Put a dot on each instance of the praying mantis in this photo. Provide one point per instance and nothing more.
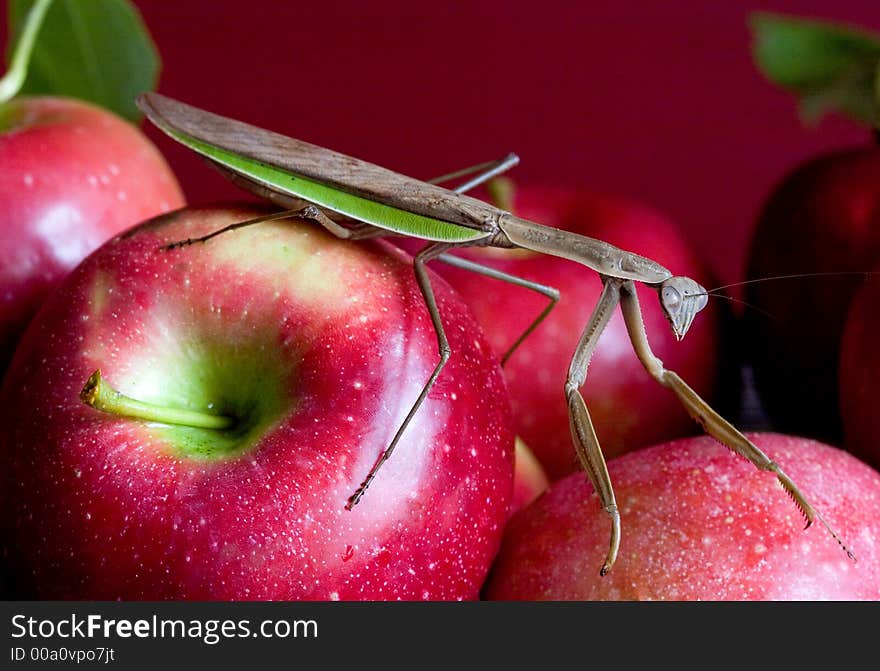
(355, 200)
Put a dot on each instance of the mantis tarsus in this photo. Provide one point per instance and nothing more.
(355, 199)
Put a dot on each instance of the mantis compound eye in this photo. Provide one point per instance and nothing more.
(701, 299)
(671, 299)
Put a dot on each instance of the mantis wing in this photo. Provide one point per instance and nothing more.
(354, 188)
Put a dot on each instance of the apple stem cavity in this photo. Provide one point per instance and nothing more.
(101, 396)
(15, 77)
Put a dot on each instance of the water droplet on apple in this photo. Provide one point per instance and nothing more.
(348, 553)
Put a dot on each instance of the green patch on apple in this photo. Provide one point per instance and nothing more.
(284, 266)
(203, 399)
(246, 382)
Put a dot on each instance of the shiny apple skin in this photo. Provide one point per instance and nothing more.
(73, 176)
(103, 507)
(699, 523)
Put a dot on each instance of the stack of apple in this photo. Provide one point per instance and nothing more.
(816, 362)
(313, 348)
(277, 362)
(698, 523)
(820, 230)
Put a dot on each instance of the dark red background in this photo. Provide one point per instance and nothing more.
(654, 99)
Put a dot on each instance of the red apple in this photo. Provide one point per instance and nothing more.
(529, 478)
(859, 372)
(699, 523)
(824, 217)
(628, 408)
(73, 176)
(317, 349)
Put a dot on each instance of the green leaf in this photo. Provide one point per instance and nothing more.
(829, 66)
(95, 50)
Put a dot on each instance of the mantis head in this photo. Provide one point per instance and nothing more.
(681, 299)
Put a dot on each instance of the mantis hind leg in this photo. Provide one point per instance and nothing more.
(484, 172)
(424, 282)
(713, 423)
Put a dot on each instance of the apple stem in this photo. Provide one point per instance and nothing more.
(15, 77)
(101, 396)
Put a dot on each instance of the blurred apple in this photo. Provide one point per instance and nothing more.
(628, 408)
(73, 175)
(859, 373)
(699, 523)
(824, 217)
(315, 349)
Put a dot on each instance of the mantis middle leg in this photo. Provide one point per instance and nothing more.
(548, 292)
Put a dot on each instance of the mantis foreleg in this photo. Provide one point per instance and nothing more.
(713, 423)
(582, 431)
